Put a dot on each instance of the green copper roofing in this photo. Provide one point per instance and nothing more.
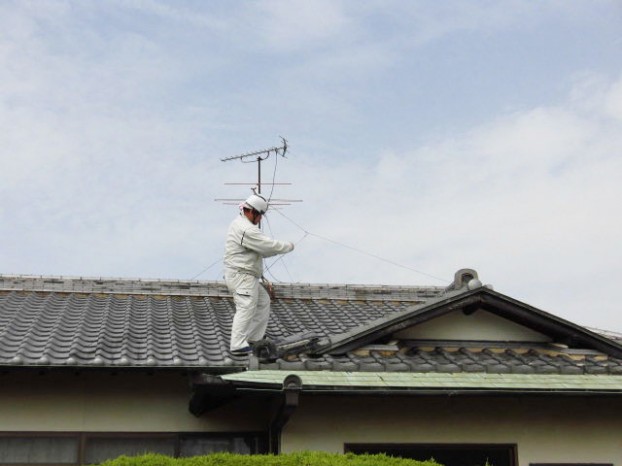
(325, 380)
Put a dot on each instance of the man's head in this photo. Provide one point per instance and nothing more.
(254, 207)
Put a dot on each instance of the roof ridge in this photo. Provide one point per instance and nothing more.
(178, 287)
(111, 285)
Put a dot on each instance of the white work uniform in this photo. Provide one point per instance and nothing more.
(245, 248)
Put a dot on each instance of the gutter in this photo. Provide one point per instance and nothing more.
(440, 392)
(211, 392)
(309, 390)
(420, 383)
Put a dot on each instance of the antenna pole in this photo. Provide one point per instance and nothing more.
(258, 175)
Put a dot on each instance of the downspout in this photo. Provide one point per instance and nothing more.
(292, 386)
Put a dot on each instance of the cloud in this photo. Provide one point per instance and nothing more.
(613, 101)
(427, 22)
(293, 25)
(528, 199)
(115, 118)
(96, 177)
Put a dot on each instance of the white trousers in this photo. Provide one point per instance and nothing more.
(252, 308)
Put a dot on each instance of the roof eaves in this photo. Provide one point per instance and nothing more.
(44, 368)
(429, 383)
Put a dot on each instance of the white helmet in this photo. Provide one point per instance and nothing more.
(256, 202)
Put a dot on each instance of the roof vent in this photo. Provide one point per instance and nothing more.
(465, 278)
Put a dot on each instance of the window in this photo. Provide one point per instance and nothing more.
(92, 448)
(446, 454)
(201, 445)
(570, 464)
(45, 449)
(99, 449)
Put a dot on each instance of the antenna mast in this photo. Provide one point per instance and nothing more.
(258, 157)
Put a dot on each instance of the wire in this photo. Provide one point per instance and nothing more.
(276, 162)
(360, 251)
(206, 269)
(267, 268)
(324, 238)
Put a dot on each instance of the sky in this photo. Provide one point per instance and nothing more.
(423, 137)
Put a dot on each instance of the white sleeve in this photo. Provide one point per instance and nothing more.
(263, 245)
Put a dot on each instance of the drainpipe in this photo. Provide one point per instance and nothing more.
(292, 386)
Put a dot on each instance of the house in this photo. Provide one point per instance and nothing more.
(94, 368)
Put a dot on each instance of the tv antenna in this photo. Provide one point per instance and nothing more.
(258, 157)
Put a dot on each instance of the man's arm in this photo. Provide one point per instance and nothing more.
(263, 245)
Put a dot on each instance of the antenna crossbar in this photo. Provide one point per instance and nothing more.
(255, 184)
(259, 153)
(272, 201)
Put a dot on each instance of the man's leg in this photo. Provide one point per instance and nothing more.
(245, 289)
(259, 323)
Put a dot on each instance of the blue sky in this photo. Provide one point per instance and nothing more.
(434, 135)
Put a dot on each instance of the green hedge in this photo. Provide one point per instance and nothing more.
(291, 459)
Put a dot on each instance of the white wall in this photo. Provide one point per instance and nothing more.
(481, 326)
(108, 403)
(546, 429)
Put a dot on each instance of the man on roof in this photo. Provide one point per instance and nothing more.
(245, 248)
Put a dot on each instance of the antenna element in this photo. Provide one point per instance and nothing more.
(258, 157)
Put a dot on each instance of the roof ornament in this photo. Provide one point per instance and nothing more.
(465, 278)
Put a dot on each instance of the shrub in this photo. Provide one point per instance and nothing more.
(309, 458)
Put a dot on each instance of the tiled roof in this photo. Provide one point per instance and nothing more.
(125, 324)
(449, 358)
(80, 329)
(56, 321)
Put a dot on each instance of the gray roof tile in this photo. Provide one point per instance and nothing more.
(127, 323)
